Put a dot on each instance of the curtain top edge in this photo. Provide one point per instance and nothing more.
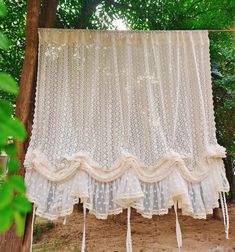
(117, 31)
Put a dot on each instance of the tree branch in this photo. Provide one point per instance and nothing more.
(87, 9)
(116, 4)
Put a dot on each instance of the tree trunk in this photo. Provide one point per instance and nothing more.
(37, 16)
(25, 99)
(46, 20)
(48, 13)
(229, 173)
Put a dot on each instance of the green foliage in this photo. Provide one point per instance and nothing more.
(4, 42)
(7, 218)
(11, 151)
(41, 228)
(12, 164)
(17, 182)
(13, 202)
(6, 195)
(224, 90)
(20, 222)
(7, 83)
(9, 126)
(13, 27)
(171, 15)
(3, 9)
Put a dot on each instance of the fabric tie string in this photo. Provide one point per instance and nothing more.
(84, 229)
(83, 249)
(178, 229)
(128, 236)
(225, 213)
(65, 220)
(31, 242)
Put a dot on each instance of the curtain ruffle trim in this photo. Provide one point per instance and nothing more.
(150, 190)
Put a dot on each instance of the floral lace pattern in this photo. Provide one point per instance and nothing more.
(124, 119)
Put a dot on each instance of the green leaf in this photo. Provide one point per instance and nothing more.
(11, 150)
(6, 108)
(20, 222)
(6, 219)
(13, 165)
(3, 135)
(13, 128)
(18, 129)
(7, 83)
(6, 194)
(22, 204)
(4, 41)
(3, 9)
(18, 183)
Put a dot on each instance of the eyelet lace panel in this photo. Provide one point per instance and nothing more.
(124, 119)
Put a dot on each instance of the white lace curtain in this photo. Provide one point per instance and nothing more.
(124, 119)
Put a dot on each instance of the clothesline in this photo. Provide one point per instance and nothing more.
(221, 30)
(100, 30)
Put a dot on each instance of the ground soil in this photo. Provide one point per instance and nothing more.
(156, 234)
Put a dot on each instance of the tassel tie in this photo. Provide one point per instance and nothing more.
(128, 235)
(177, 227)
(225, 213)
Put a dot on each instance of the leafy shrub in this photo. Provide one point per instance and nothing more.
(13, 202)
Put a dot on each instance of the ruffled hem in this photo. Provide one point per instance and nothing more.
(150, 190)
(212, 156)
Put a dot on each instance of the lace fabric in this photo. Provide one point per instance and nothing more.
(124, 119)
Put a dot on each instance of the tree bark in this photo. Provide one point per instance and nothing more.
(48, 13)
(25, 99)
(46, 20)
(9, 242)
(39, 14)
(229, 173)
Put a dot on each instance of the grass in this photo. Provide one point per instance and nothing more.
(40, 228)
(46, 247)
